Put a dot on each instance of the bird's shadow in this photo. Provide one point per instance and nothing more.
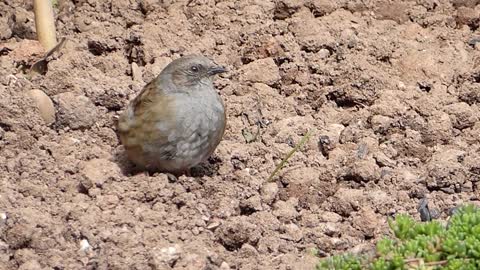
(208, 168)
(126, 166)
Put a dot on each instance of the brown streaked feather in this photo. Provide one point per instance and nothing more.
(149, 108)
(146, 97)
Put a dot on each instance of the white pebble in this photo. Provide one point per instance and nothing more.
(323, 53)
(224, 266)
(3, 216)
(84, 245)
(169, 250)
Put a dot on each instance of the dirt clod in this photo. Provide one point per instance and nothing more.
(388, 89)
(261, 71)
(75, 111)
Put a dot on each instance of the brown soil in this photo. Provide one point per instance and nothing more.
(389, 89)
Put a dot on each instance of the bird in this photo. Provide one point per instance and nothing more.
(177, 120)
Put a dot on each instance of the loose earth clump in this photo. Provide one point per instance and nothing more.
(389, 93)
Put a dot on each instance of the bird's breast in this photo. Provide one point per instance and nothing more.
(199, 126)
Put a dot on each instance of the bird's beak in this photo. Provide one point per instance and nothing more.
(216, 70)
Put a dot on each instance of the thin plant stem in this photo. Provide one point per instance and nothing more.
(289, 155)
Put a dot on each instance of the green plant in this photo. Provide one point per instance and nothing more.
(421, 245)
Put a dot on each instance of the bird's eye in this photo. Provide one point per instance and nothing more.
(194, 68)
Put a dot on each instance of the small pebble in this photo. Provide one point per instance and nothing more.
(423, 210)
(323, 53)
(213, 225)
(224, 266)
(44, 105)
(167, 255)
(84, 245)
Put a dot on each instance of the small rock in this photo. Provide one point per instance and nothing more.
(329, 138)
(467, 187)
(293, 231)
(75, 111)
(166, 256)
(349, 38)
(285, 8)
(253, 203)
(468, 16)
(44, 105)
(323, 53)
(286, 210)
(366, 221)
(136, 72)
(407, 179)
(362, 150)
(330, 217)
(227, 207)
(192, 260)
(237, 231)
(311, 34)
(30, 265)
(321, 7)
(325, 145)
(97, 171)
(363, 171)
(462, 115)
(381, 124)
(269, 192)
(381, 199)
(213, 225)
(260, 71)
(247, 251)
(474, 42)
(224, 266)
(148, 6)
(439, 129)
(445, 171)
(384, 161)
(330, 229)
(6, 32)
(395, 11)
(84, 245)
(346, 201)
(19, 235)
(424, 211)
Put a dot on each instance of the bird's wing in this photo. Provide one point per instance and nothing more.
(143, 101)
(147, 122)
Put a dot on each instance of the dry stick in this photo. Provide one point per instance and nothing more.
(290, 154)
(44, 23)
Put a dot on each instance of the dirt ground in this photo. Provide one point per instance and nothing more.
(389, 89)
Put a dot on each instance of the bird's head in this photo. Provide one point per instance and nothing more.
(192, 70)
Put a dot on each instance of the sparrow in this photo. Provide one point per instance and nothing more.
(177, 120)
